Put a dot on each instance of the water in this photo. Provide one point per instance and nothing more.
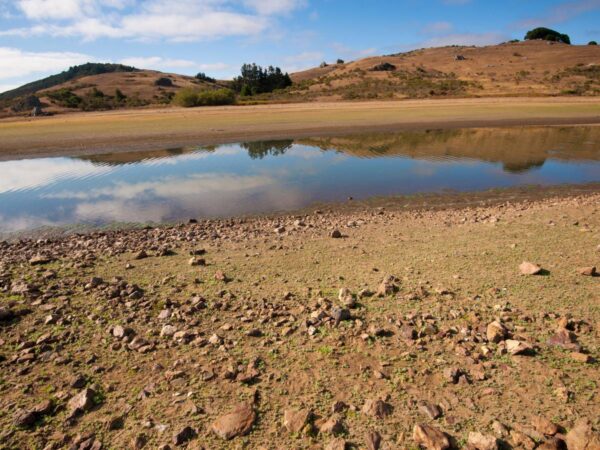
(234, 179)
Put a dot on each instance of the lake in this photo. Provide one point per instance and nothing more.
(257, 177)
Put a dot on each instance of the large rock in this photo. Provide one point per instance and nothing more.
(528, 268)
(377, 408)
(565, 339)
(517, 347)
(295, 420)
(238, 422)
(583, 437)
(496, 332)
(430, 437)
(479, 441)
(81, 403)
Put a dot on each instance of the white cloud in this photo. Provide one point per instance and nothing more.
(351, 53)
(302, 61)
(562, 13)
(16, 63)
(183, 20)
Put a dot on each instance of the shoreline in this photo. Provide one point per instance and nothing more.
(419, 202)
(82, 134)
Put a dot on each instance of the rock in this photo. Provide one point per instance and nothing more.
(336, 234)
(377, 408)
(81, 403)
(581, 357)
(517, 347)
(195, 261)
(565, 339)
(544, 426)
(552, 444)
(238, 422)
(120, 332)
(496, 332)
(336, 444)
(168, 331)
(220, 276)
(452, 374)
(39, 260)
(141, 255)
(528, 268)
(339, 314)
(387, 286)
(25, 418)
(430, 437)
(583, 437)
(346, 298)
(588, 271)
(500, 430)
(479, 441)
(430, 410)
(6, 314)
(185, 435)
(295, 420)
(139, 442)
(373, 440)
(522, 440)
(333, 425)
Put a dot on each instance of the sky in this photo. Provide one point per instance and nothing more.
(42, 37)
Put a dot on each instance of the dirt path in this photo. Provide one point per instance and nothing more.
(86, 133)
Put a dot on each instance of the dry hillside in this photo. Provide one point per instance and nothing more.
(513, 69)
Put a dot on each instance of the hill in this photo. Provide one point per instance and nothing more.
(94, 87)
(516, 69)
(531, 68)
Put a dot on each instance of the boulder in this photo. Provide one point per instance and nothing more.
(528, 268)
(430, 437)
(238, 422)
(295, 420)
(583, 437)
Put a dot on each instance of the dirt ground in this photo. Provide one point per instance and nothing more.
(378, 326)
(107, 132)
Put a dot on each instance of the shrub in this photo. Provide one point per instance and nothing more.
(65, 98)
(164, 82)
(203, 77)
(547, 34)
(384, 67)
(189, 98)
(340, 61)
(592, 43)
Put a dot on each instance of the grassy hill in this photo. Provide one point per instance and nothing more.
(530, 68)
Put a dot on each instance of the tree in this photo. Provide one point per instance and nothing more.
(547, 34)
(340, 61)
(257, 80)
(203, 77)
(592, 43)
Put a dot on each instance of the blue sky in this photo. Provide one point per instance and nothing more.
(41, 37)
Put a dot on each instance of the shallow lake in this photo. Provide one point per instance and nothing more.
(234, 179)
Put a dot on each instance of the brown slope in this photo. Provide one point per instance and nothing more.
(513, 69)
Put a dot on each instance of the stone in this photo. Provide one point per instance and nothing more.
(25, 418)
(581, 357)
(430, 410)
(583, 437)
(195, 261)
(522, 440)
(168, 331)
(184, 435)
(544, 426)
(340, 314)
(430, 437)
(346, 298)
(39, 260)
(373, 440)
(496, 332)
(295, 420)
(336, 444)
(238, 422)
(517, 347)
(479, 441)
(588, 271)
(377, 408)
(387, 286)
(565, 339)
(140, 255)
(452, 374)
(81, 403)
(139, 441)
(333, 425)
(528, 268)
(6, 314)
(336, 234)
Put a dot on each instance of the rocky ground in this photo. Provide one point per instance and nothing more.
(474, 327)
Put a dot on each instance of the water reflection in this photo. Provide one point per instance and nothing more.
(265, 176)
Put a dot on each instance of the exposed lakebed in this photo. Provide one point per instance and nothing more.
(268, 176)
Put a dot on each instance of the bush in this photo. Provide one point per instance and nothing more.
(340, 61)
(384, 67)
(189, 98)
(203, 77)
(592, 43)
(547, 34)
(65, 98)
(164, 82)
